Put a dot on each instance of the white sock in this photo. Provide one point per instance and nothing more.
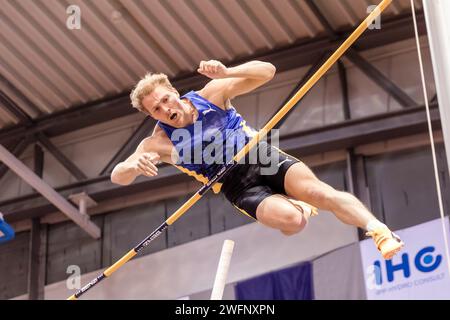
(375, 224)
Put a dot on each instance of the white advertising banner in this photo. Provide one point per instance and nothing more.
(419, 271)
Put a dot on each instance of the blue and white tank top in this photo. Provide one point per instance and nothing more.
(210, 142)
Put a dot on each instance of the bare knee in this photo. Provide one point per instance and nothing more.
(294, 222)
(277, 212)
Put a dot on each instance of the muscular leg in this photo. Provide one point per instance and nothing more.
(301, 183)
(277, 211)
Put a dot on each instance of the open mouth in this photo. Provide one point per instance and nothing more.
(173, 116)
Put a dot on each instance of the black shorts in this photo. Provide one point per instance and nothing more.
(247, 185)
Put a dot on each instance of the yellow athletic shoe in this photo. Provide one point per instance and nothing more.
(387, 242)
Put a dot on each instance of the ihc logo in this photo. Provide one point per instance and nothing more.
(424, 261)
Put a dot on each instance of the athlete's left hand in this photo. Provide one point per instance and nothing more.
(212, 69)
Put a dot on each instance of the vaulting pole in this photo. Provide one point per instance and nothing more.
(261, 134)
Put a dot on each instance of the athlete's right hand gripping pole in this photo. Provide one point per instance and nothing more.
(262, 133)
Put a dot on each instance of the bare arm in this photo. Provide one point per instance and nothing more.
(142, 162)
(229, 83)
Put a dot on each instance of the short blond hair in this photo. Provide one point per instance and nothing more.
(145, 86)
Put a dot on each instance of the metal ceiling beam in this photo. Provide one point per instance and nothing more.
(130, 145)
(38, 160)
(6, 83)
(352, 160)
(361, 131)
(76, 187)
(344, 135)
(380, 79)
(69, 165)
(13, 108)
(366, 67)
(329, 30)
(344, 90)
(35, 270)
(299, 54)
(72, 119)
(17, 152)
(51, 195)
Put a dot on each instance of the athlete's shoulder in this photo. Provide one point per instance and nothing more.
(214, 93)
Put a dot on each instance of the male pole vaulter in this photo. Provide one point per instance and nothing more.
(199, 131)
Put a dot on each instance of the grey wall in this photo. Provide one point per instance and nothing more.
(404, 198)
(339, 275)
(14, 266)
(190, 268)
(123, 229)
(403, 189)
(69, 245)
